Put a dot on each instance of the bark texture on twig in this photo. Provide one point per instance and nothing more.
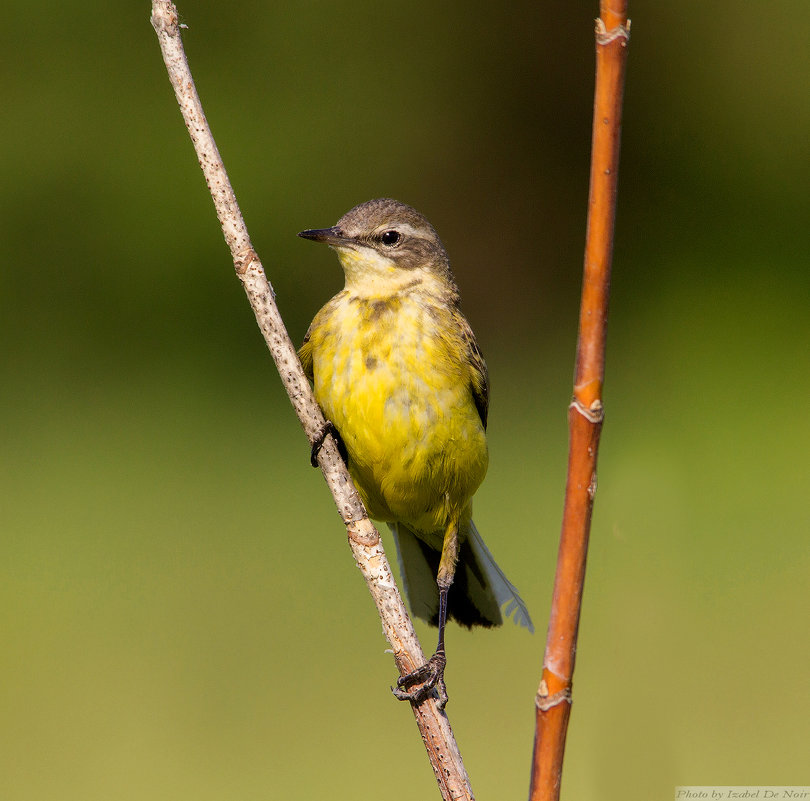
(553, 700)
(363, 537)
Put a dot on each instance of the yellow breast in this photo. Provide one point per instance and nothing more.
(392, 376)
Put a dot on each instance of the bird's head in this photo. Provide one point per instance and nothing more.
(384, 245)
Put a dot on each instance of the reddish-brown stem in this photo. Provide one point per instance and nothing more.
(553, 700)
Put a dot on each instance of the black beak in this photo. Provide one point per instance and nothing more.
(331, 236)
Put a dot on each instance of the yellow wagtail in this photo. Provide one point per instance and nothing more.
(399, 375)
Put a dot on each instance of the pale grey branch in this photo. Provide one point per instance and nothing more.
(363, 537)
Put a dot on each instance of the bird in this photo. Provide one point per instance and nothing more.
(400, 378)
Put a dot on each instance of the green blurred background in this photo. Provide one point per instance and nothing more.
(180, 616)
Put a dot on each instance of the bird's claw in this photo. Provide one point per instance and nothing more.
(424, 680)
(328, 428)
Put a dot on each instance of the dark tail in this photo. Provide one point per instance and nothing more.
(479, 588)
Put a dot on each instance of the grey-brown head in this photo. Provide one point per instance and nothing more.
(379, 241)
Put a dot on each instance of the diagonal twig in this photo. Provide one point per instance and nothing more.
(363, 537)
(585, 414)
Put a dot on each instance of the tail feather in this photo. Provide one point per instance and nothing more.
(479, 588)
(504, 591)
(418, 574)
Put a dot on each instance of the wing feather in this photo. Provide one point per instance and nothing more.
(479, 377)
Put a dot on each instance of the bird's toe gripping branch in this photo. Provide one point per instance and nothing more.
(419, 684)
(328, 428)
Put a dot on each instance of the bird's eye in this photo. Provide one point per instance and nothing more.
(390, 238)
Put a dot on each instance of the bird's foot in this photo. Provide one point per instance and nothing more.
(328, 428)
(420, 683)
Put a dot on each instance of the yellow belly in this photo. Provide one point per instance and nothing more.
(392, 378)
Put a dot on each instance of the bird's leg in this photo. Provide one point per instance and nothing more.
(328, 428)
(431, 675)
(424, 679)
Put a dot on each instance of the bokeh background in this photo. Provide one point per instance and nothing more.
(180, 617)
